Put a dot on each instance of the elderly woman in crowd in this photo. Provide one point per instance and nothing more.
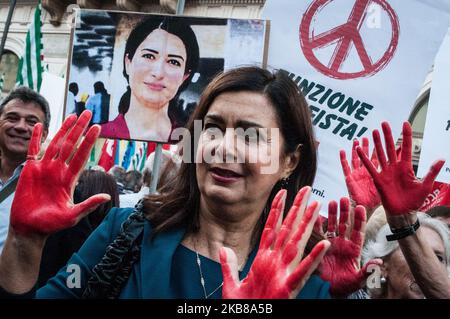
(397, 280)
(424, 250)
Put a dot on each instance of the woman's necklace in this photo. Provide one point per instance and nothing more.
(202, 279)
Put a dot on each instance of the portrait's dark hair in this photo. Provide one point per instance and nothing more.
(73, 87)
(178, 206)
(93, 182)
(27, 95)
(176, 26)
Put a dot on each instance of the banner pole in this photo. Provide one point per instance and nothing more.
(156, 168)
(12, 6)
(180, 7)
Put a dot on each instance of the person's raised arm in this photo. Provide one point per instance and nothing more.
(278, 271)
(43, 202)
(402, 194)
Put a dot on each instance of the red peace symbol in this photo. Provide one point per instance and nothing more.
(345, 35)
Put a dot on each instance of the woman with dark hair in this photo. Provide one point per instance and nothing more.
(173, 244)
(93, 182)
(161, 57)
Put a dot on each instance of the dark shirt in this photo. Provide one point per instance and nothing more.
(59, 247)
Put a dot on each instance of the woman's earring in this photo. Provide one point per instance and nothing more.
(285, 182)
(383, 280)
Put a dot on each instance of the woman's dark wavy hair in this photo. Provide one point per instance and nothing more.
(178, 203)
(92, 182)
(177, 27)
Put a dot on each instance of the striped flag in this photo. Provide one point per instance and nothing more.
(143, 157)
(108, 154)
(140, 156)
(2, 82)
(30, 68)
(128, 156)
(117, 154)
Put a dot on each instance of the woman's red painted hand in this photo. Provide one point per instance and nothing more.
(43, 200)
(361, 189)
(278, 270)
(341, 264)
(400, 191)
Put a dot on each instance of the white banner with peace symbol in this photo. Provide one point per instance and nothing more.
(358, 62)
(436, 136)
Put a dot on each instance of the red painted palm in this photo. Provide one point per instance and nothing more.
(400, 191)
(278, 270)
(43, 200)
(341, 264)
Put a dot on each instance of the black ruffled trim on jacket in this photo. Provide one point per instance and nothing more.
(112, 272)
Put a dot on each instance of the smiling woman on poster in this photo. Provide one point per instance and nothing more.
(161, 56)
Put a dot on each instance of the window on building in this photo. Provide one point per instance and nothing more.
(8, 67)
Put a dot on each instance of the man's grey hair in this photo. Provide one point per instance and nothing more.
(380, 247)
(27, 95)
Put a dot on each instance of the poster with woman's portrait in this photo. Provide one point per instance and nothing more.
(141, 75)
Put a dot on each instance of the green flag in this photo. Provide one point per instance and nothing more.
(143, 157)
(30, 68)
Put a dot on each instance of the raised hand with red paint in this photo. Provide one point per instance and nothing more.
(400, 191)
(43, 200)
(341, 264)
(278, 270)
(359, 183)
